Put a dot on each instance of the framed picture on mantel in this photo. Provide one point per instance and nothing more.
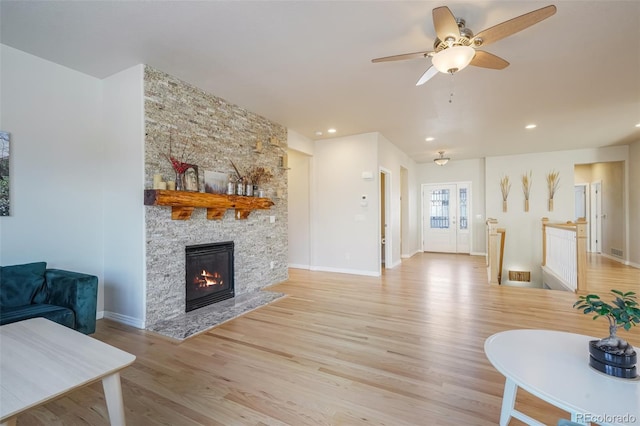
(215, 182)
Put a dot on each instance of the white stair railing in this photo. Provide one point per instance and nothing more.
(495, 251)
(564, 255)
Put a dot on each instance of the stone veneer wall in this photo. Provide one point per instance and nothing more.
(216, 132)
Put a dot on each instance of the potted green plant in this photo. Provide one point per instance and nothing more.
(613, 355)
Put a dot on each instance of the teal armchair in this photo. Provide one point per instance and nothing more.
(66, 297)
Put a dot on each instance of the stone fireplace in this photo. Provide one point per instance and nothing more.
(209, 274)
(213, 132)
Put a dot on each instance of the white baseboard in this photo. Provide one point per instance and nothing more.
(299, 266)
(345, 271)
(99, 315)
(391, 265)
(124, 319)
(634, 265)
(409, 256)
(617, 259)
(477, 253)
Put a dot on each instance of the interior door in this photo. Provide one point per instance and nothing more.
(440, 217)
(596, 217)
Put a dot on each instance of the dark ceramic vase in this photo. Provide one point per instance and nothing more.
(623, 366)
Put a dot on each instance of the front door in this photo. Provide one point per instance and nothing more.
(446, 218)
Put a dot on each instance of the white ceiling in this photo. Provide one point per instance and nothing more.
(307, 65)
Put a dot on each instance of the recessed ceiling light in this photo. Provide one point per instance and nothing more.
(530, 126)
(331, 130)
(638, 125)
(318, 133)
(430, 138)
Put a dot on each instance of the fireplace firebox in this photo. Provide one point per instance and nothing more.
(209, 274)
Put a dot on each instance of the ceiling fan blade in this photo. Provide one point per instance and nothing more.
(427, 75)
(445, 23)
(512, 26)
(488, 60)
(402, 57)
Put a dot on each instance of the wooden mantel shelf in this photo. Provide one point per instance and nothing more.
(183, 202)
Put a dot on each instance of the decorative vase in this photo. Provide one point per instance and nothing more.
(256, 191)
(526, 205)
(249, 190)
(179, 181)
(550, 204)
(504, 205)
(617, 365)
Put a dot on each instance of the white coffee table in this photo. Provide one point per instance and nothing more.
(554, 366)
(41, 360)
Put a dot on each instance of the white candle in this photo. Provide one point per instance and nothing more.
(157, 178)
(162, 185)
(171, 185)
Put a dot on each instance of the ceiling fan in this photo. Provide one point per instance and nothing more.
(456, 46)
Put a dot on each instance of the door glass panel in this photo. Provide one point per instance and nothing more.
(439, 214)
(463, 209)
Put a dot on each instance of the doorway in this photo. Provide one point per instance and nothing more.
(595, 217)
(446, 227)
(385, 218)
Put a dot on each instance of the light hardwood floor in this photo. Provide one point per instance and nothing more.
(404, 349)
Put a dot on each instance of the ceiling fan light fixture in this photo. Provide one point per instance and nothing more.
(442, 160)
(453, 59)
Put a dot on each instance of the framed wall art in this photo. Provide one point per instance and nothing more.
(4, 174)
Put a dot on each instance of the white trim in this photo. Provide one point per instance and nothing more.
(477, 253)
(299, 266)
(617, 259)
(409, 256)
(388, 247)
(345, 271)
(634, 265)
(124, 319)
(396, 263)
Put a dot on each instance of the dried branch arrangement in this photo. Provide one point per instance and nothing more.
(259, 175)
(182, 163)
(553, 180)
(526, 189)
(505, 187)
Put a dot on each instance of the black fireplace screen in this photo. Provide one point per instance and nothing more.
(209, 274)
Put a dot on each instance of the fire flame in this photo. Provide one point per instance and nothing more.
(208, 279)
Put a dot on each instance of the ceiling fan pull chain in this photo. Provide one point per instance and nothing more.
(451, 91)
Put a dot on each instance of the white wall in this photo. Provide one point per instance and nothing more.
(611, 175)
(299, 210)
(123, 160)
(55, 119)
(345, 235)
(299, 143)
(392, 159)
(523, 246)
(460, 171)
